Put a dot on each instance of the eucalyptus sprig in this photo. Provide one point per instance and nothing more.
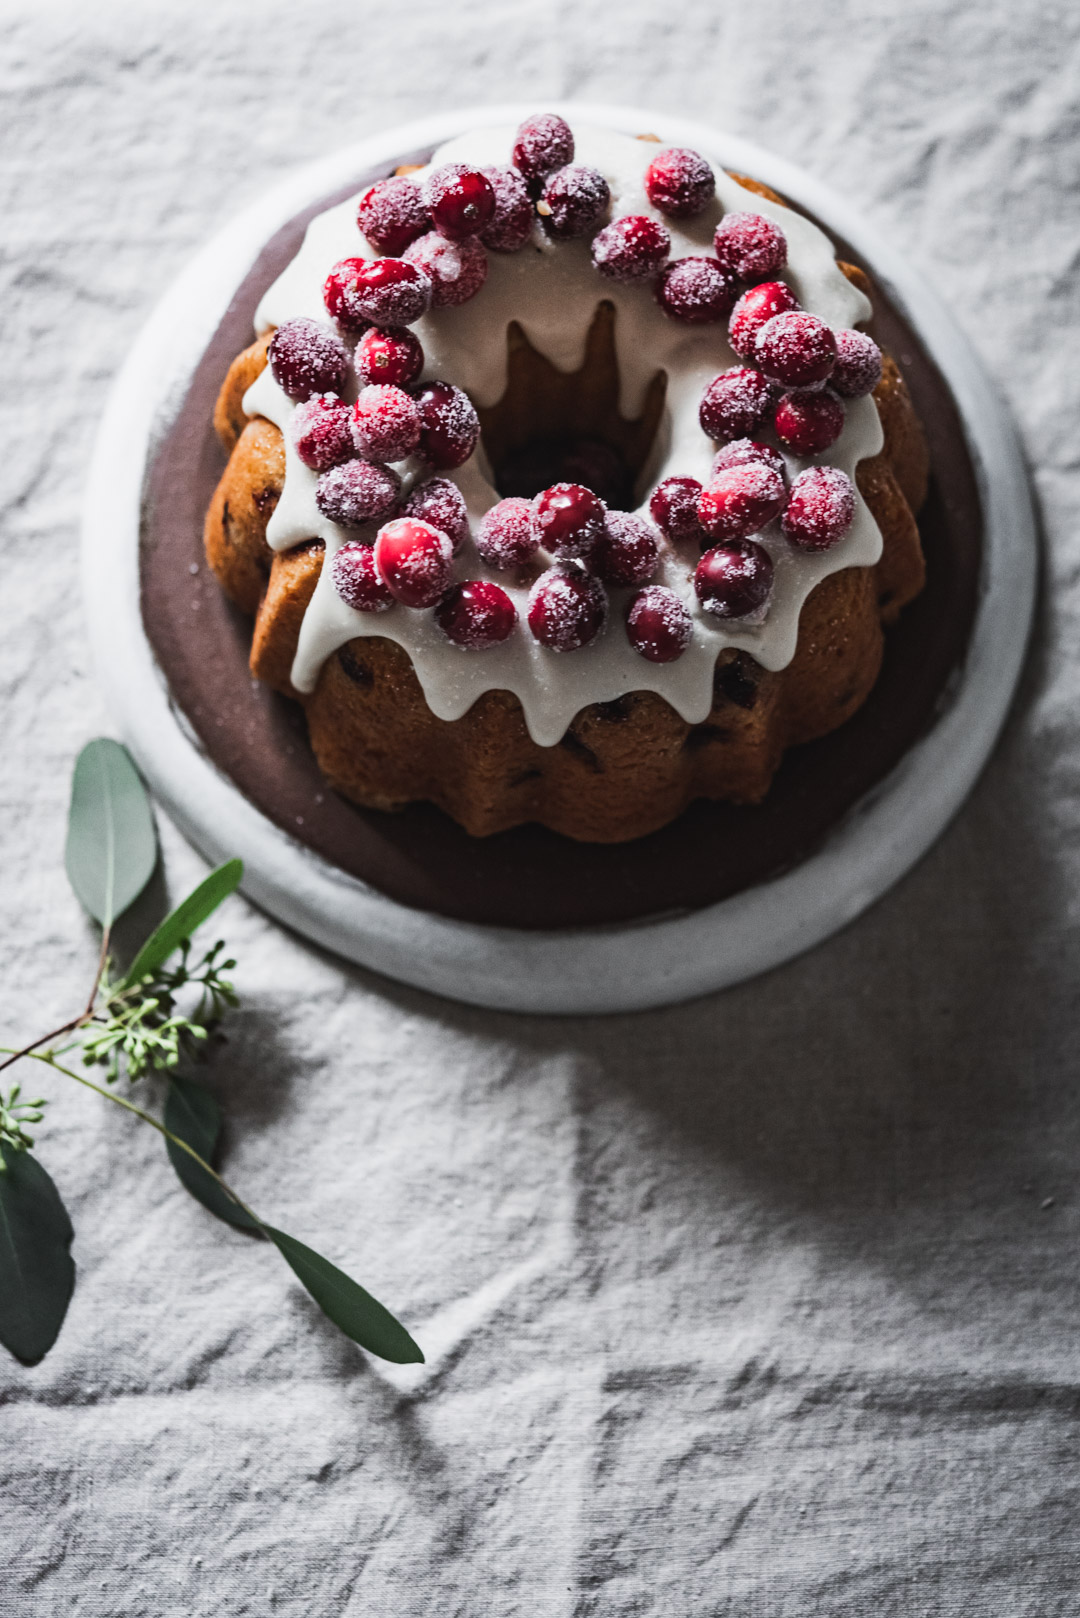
(155, 1018)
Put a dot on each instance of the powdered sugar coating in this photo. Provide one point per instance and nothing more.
(391, 214)
(356, 579)
(679, 182)
(357, 493)
(542, 143)
(506, 538)
(741, 500)
(857, 371)
(742, 450)
(750, 246)
(476, 615)
(449, 426)
(633, 248)
(385, 423)
(673, 508)
(575, 199)
(414, 561)
(459, 199)
(809, 421)
(753, 309)
(442, 504)
(389, 354)
(796, 348)
(512, 222)
(307, 357)
(567, 609)
(627, 551)
(658, 624)
(736, 403)
(321, 429)
(696, 291)
(387, 292)
(735, 581)
(456, 270)
(821, 508)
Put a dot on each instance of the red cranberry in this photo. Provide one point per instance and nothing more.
(413, 560)
(386, 423)
(753, 309)
(743, 450)
(808, 422)
(821, 508)
(574, 199)
(307, 357)
(568, 519)
(858, 365)
(322, 432)
(391, 214)
(750, 246)
(506, 537)
(338, 295)
(386, 292)
(627, 551)
(511, 223)
(732, 581)
(442, 504)
(456, 270)
(679, 182)
(543, 142)
(696, 291)
(631, 249)
(389, 354)
(658, 624)
(476, 615)
(674, 508)
(460, 201)
(356, 578)
(567, 608)
(740, 500)
(449, 426)
(736, 403)
(796, 348)
(357, 492)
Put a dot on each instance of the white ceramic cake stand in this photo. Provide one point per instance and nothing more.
(596, 969)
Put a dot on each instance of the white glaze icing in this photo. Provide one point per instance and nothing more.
(552, 291)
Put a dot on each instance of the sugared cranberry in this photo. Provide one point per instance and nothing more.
(750, 246)
(736, 403)
(568, 519)
(858, 365)
(658, 624)
(674, 508)
(733, 581)
(413, 560)
(753, 309)
(506, 537)
(821, 508)
(476, 615)
(797, 349)
(742, 450)
(357, 492)
(631, 248)
(442, 504)
(627, 551)
(456, 270)
(567, 608)
(679, 182)
(696, 291)
(460, 200)
(574, 200)
(386, 423)
(321, 429)
(543, 142)
(384, 291)
(391, 214)
(307, 357)
(740, 500)
(449, 426)
(338, 295)
(808, 422)
(389, 354)
(511, 224)
(356, 578)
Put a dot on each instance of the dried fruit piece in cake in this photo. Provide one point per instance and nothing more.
(307, 357)
(414, 561)
(750, 246)
(734, 581)
(567, 608)
(476, 615)
(679, 182)
(658, 624)
(821, 508)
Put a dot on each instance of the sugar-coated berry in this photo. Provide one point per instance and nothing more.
(674, 509)
(449, 426)
(306, 357)
(414, 561)
(632, 248)
(321, 430)
(796, 348)
(456, 270)
(627, 551)
(357, 492)
(356, 578)
(696, 291)
(510, 226)
(391, 214)
(658, 624)
(442, 504)
(385, 291)
(821, 508)
(476, 615)
(808, 421)
(389, 354)
(679, 182)
(386, 423)
(741, 500)
(736, 403)
(568, 519)
(753, 309)
(733, 581)
(750, 246)
(543, 142)
(459, 199)
(742, 450)
(567, 608)
(505, 537)
(857, 371)
(574, 200)
(338, 295)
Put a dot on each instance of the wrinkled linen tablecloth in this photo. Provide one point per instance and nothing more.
(765, 1305)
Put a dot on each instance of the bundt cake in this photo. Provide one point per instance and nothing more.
(566, 488)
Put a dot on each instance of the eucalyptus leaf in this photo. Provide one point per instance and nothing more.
(111, 843)
(37, 1273)
(191, 913)
(356, 1312)
(192, 1113)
